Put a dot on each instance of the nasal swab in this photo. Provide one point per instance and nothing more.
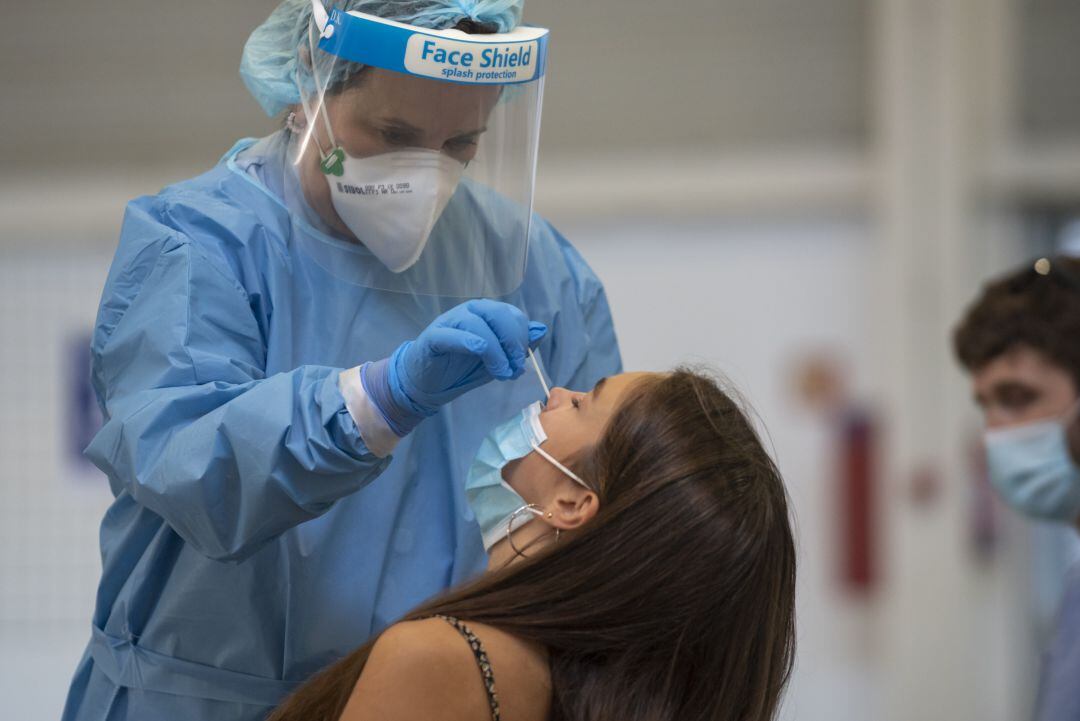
(540, 375)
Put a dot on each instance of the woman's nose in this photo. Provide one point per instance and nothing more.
(558, 397)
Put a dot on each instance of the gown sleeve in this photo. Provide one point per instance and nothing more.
(195, 430)
(580, 367)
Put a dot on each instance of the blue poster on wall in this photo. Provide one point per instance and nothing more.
(82, 414)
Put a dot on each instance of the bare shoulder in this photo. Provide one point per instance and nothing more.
(418, 669)
(426, 669)
(521, 671)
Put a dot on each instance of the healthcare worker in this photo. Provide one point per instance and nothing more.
(1020, 340)
(299, 352)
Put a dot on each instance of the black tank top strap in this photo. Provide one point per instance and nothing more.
(481, 661)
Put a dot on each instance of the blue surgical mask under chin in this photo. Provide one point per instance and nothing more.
(1032, 470)
(492, 500)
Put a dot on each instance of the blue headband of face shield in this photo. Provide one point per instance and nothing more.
(518, 56)
(274, 53)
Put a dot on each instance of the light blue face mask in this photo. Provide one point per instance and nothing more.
(499, 509)
(1032, 470)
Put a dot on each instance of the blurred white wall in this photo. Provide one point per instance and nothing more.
(126, 84)
(50, 503)
(1048, 76)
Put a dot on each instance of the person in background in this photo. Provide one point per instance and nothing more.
(1020, 341)
(642, 568)
(294, 354)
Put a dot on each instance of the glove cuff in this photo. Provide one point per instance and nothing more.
(400, 417)
(375, 378)
(375, 432)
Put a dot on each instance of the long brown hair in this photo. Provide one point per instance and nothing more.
(676, 602)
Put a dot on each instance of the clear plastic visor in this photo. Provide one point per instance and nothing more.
(427, 182)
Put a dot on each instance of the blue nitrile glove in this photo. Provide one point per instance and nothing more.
(463, 348)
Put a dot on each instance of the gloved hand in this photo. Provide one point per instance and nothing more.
(462, 349)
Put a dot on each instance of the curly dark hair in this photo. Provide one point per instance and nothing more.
(1037, 306)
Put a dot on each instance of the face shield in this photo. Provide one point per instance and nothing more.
(427, 142)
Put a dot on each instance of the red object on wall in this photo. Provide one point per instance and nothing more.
(858, 540)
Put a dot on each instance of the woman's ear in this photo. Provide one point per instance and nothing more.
(296, 120)
(572, 506)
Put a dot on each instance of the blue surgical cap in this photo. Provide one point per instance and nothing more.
(271, 55)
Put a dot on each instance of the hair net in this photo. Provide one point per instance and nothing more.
(271, 55)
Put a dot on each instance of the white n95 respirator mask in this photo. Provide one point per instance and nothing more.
(391, 201)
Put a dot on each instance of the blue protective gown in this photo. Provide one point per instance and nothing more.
(1059, 683)
(253, 538)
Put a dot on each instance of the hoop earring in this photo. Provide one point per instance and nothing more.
(529, 508)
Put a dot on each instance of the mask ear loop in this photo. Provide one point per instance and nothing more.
(332, 159)
(551, 459)
(319, 15)
(308, 127)
(527, 508)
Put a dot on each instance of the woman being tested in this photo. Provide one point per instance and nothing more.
(293, 352)
(642, 569)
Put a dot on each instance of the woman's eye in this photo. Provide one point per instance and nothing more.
(459, 145)
(394, 137)
(576, 403)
